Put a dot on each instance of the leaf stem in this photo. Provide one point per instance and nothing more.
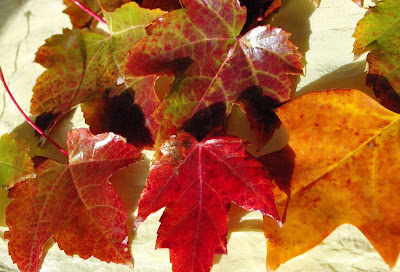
(91, 13)
(28, 119)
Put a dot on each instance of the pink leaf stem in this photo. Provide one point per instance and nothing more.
(91, 13)
(28, 119)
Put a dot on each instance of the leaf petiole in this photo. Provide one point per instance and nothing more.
(32, 124)
(87, 10)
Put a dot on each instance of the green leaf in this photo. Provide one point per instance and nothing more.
(379, 33)
(15, 163)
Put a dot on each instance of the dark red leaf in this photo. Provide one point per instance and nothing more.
(197, 181)
(258, 10)
(162, 4)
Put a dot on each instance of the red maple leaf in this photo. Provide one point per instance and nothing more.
(74, 203)
(197, 181)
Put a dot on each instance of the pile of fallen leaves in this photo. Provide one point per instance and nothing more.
(340, 165)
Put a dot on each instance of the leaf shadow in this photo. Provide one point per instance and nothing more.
(384, 91)
(294, 17)
(49, 244)
(129, 184)
(118, 114)
(210, 121)
(280, 165)
(236, 224)
(59, 134)
(349, 76)
(259, 112)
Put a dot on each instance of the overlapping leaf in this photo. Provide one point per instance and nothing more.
(146, 97)
(15, 163)
(127, 114)
(80, 62)
(211, 63)
(379, 32)
(259, 111)
(197, 181)
(345, 149)
(80, 19)
(74, 203)
(258, 10)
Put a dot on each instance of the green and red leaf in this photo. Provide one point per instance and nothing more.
(81, 63)
(15, 163)
(379, 33)
(74, 204)
(80, 19)
(200, 45)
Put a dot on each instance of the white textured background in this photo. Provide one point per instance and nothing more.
(323, 36)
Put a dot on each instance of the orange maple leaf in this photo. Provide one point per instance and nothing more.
(344, 149)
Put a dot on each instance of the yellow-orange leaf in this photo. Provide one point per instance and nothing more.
(345, 152)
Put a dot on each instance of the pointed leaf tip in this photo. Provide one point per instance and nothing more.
(74, 204)
(197, 181)
(342, 147)
(211, 62)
